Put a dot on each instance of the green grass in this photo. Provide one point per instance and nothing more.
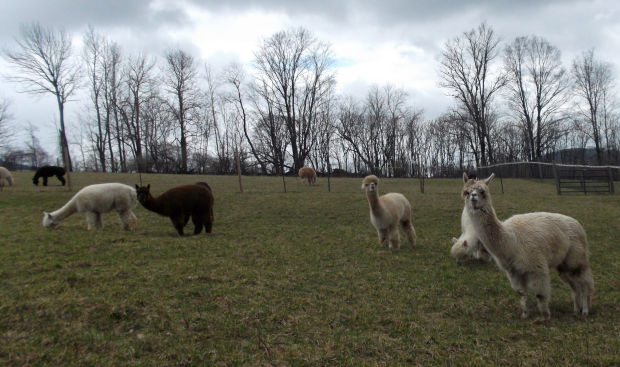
(294, 278)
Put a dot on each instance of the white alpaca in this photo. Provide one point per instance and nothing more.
(468, 246)
(386, 212)
(94, 200)
(526, 246)
(5, 175)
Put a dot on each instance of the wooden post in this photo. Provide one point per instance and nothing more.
(420, 177)
(329, 175)
(583, 183)
(501, 182)
(557, 179)
(238, 170)
(611, 180)
(65, 158)
(540, 175)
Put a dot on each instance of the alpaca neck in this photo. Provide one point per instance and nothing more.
(493, 234)
(373, 200)
(153, 204)
(68, 209)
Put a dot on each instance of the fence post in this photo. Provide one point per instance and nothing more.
(611, 180)
(540, 175)
(557, 179)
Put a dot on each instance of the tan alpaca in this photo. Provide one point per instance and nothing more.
(386, 212)
(307, 175)
(468, 246)
(526, 246)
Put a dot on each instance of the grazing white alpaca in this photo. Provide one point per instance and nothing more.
(94, 200)
(526, 246)
(5, 175)
(468, 246)
(386, 212)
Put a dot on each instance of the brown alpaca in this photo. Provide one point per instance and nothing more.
(179, 203)
(526, 246)
(307, 175)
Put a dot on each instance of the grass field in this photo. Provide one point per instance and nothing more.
(294, 278)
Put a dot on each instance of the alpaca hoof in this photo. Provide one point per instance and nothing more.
(541, 320)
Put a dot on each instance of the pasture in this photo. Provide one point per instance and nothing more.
(294, 278)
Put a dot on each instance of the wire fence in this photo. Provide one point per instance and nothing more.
(538, 170)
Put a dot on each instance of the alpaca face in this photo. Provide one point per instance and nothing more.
(143, 192)
(476, 193)
(48, 220)
(370, 183)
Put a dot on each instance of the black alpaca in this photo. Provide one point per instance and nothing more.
(179, 203)
(49, 171)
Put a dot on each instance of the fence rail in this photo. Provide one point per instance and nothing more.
(569, 178)
(537, 169)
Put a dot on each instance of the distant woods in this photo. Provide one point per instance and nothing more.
(514, 100)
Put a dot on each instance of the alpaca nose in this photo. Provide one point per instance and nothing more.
(474, 197)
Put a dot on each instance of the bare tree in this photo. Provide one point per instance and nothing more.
(294, 68)
(536, 91)
(93, 59)
(466, 70)
(593, 83)
(180, 82)
(112, 64)
(5, 117)
(139, 87)
(44, 65)
(235, 77)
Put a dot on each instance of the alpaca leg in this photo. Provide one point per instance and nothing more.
(586, 287)
(574, 287)
(98, 221)
(409, 231)
(518, 284)
(394, 237)
(383, 237)
(128, 220)
(198, 223)
(541, 286)
(178, 223)
(91, 220)
(61, 179)
(44, 180)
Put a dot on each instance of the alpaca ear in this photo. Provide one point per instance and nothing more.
(486, 182)
(137, 187)
(454, 240)
(465, 178)
(148, 187)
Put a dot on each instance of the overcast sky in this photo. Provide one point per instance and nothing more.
(374, 42)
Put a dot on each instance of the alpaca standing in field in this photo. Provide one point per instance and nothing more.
(386, 212)
(48, 171)
(179, 203)
(526, 246)
(5, 175)
(307, 175)
(468, 246)
(94, 200)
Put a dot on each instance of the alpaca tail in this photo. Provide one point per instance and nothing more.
(410, 231)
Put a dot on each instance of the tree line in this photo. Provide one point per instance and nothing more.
(513, 101)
